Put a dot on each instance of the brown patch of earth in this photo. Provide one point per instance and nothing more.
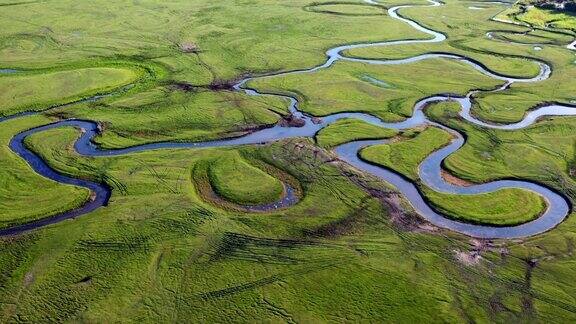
(292, 121)
(221, 85)
(468, 258)
(477, 246)
(28, 279)
(454, 180)
(399, 215)
(181, 86)
(189, 48)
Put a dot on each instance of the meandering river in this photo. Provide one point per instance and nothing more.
(429, 170)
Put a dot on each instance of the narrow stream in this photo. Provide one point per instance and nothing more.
(8, 71)
(429, 171)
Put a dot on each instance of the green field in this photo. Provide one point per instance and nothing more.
(543, 152)
(347, 130)
(39, 91)
(161, 114)
(178, 242)
(346, 9)
(466, 35)
(542, 18)
(321, 93)
(545, 18)
(25, 195)
(236, 180)
(503, 207)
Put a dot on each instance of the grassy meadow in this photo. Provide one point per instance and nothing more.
(164, 114)
(234, 179)
(467, 36)
(543, 152)
(26, 195)
(171, 256)
(347, 9)
(174, 243)
(540, 18)
(38, 91)
(347, 130)
(321, 93)
(502, 207)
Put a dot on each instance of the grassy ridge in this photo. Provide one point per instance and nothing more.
(236, 180)
(164, 114)
(533, 37)
(504, 207)
(346, 8)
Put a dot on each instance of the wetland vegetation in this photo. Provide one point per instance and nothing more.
(178, 239)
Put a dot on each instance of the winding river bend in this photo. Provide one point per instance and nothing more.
(429, 170)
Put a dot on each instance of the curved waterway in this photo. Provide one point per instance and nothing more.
(429, 171)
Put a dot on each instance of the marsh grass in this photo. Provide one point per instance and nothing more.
(469, 39)
(161, 252)
(347, 130)
(502, 207)
(235, 179)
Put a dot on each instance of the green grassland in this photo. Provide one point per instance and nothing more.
(347, 130)
(510, 105)
(236, 180)
(513, 66)
(543, 152)
(39, 91)
(502, 207)
(351, 249)
(159, 252)
(25, 195)
(232, 38)
(548, 18)
(406, 154)
(346, 8)
(321, 93)
(538, 17)
(163, 114)
(465, 33)
(228, 41)
(533, 37)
